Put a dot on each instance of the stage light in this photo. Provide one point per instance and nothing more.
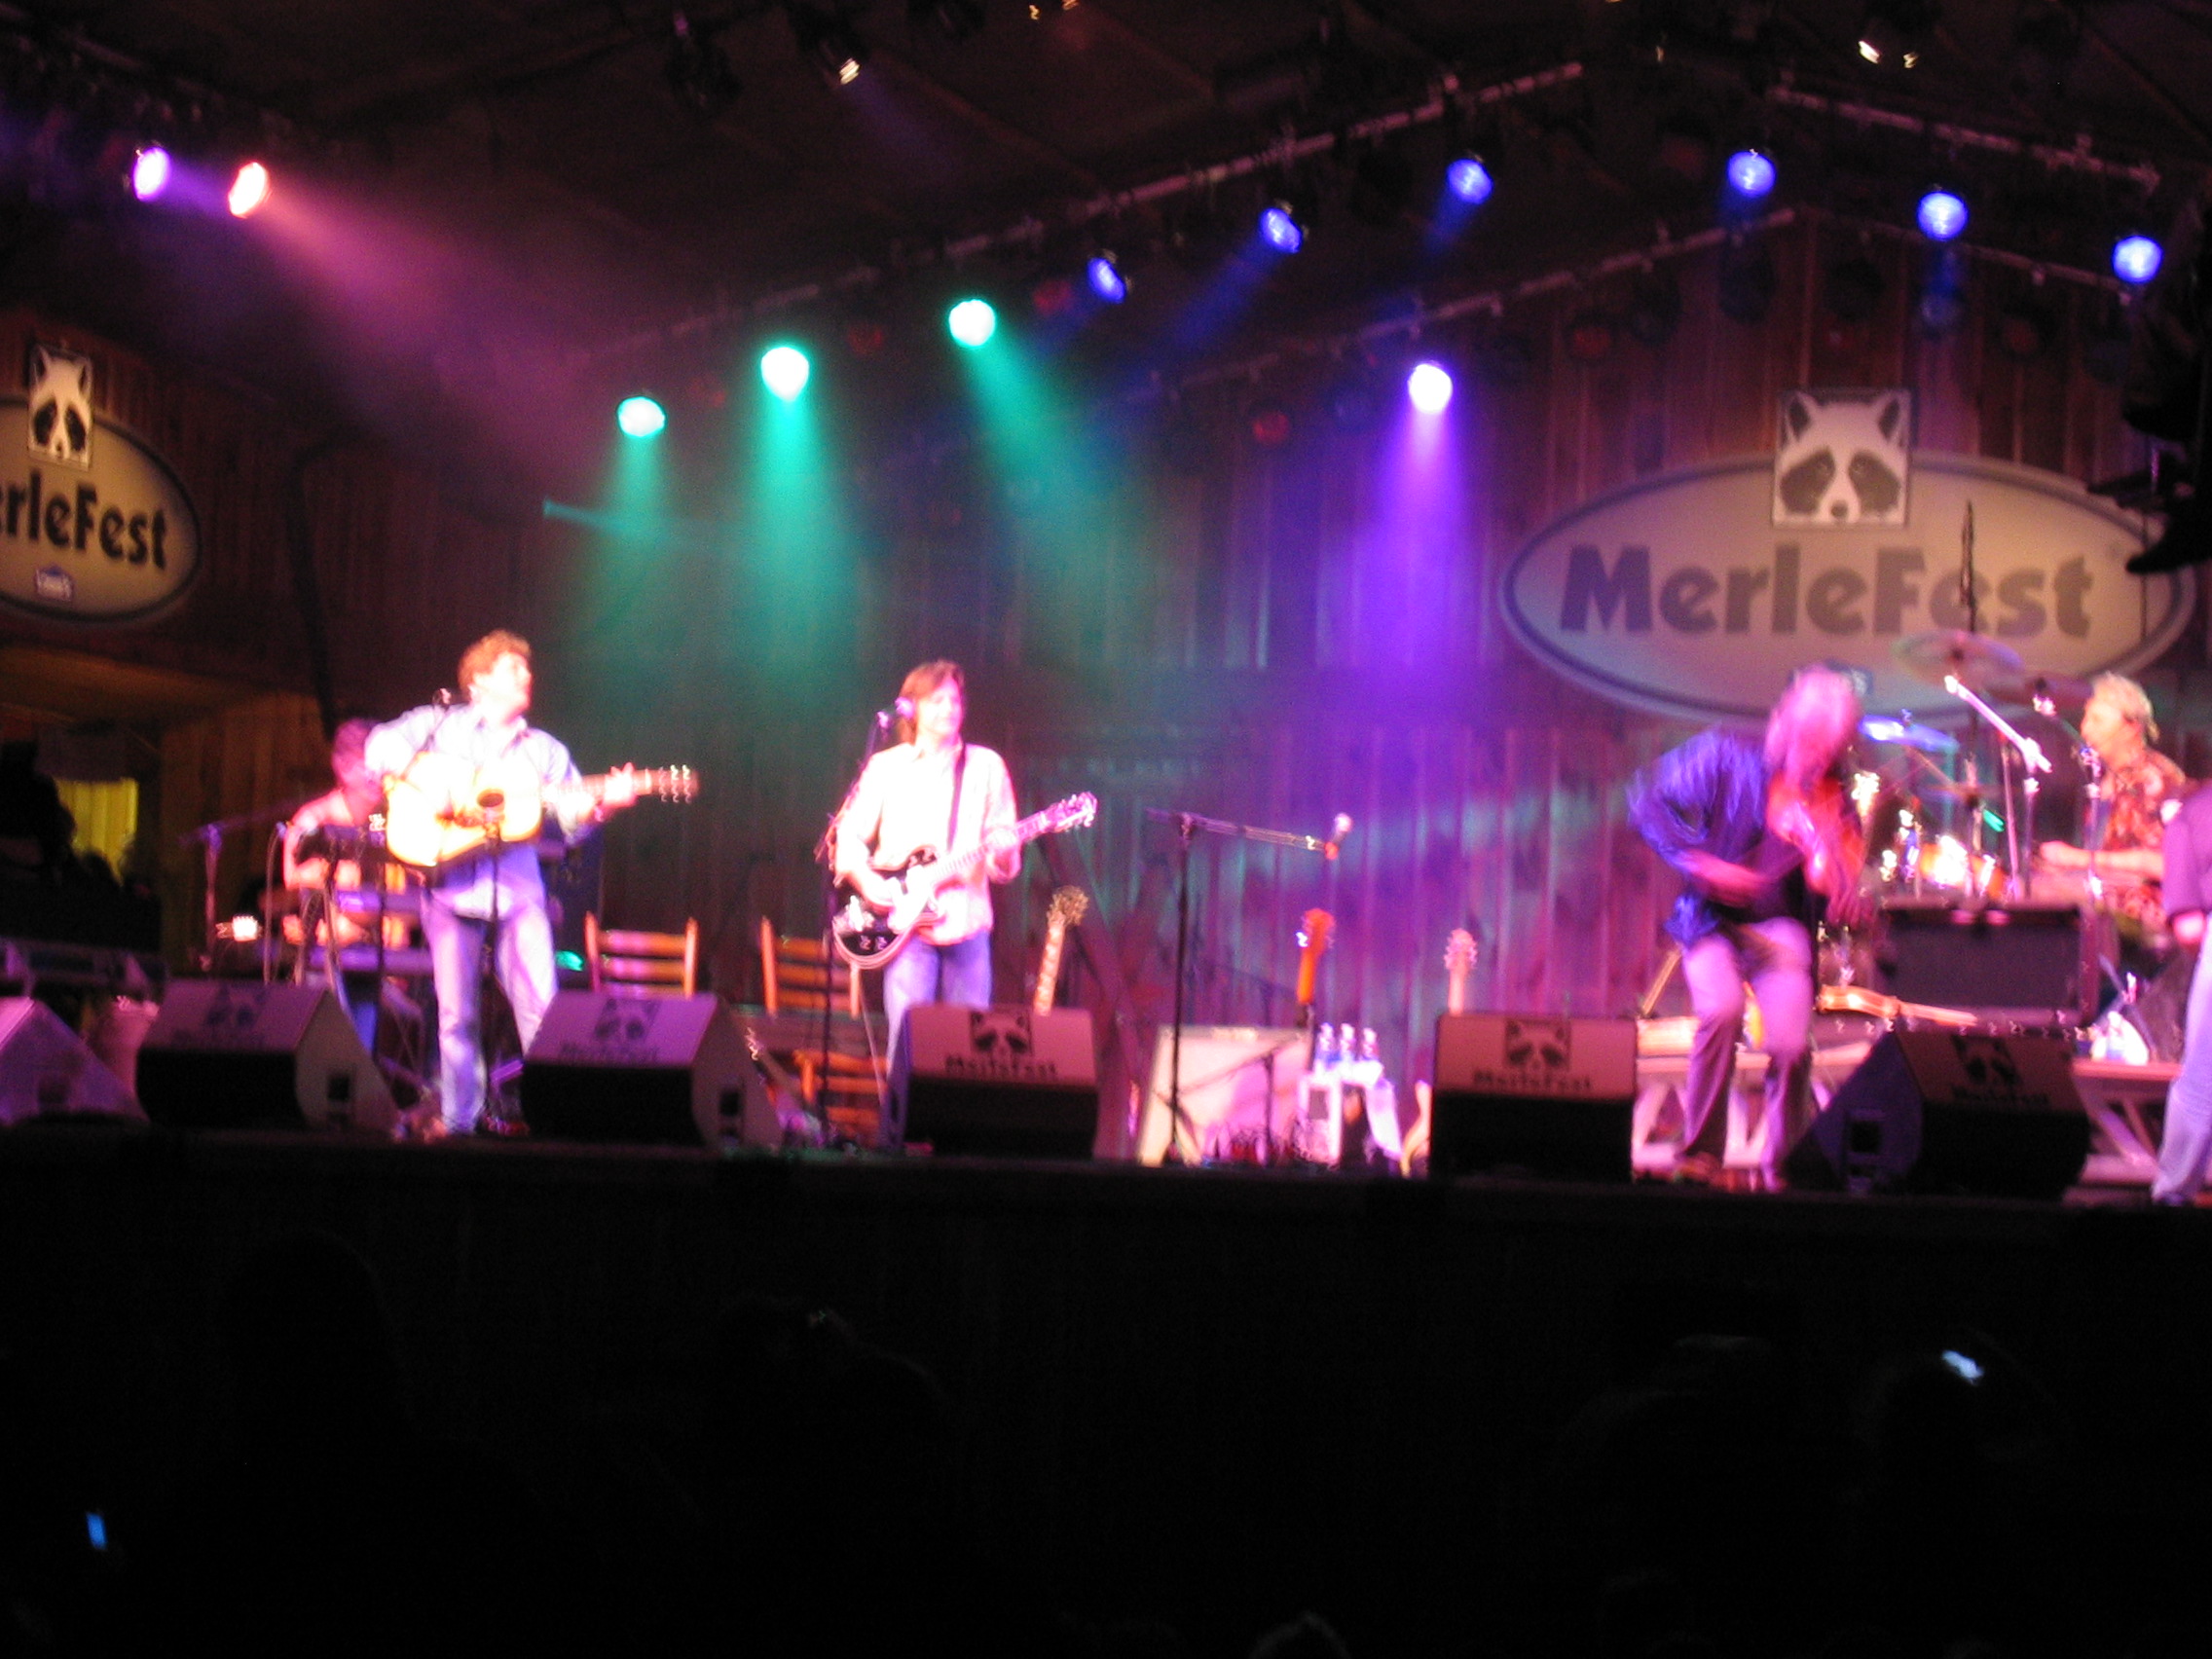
(1279, 228)
(973, 322)
(1429, 385)
(1469, 180)
(831, 42)
(1892, 33)
(249, 190)
(1106, 279)
(640, 417)
(2136, 259)
(1751, 175)
(1943, 216)
(784, 370)
(150, 173)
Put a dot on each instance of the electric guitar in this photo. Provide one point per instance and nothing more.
(1067, 908)
(443, 808)
(1459, 964)
(868, 936)
(1313, 931)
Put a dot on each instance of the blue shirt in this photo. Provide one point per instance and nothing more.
(464, 886)
(1709, 795)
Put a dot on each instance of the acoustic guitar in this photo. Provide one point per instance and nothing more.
(1065, 911)
(443, 808)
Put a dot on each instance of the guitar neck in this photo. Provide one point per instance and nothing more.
(1048, 966)
(960, 869)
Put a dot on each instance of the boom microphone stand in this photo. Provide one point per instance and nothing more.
(1186, 826)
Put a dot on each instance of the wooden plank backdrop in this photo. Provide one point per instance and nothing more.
(1188, 622)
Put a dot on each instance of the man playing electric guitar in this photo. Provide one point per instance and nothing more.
(932, 793)
(489, 734)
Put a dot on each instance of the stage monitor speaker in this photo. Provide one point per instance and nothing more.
(1950, 1112)
(1532, 1095)
(235, 1053)
(636, 1069)
(1242, 1092)
(45, 1071)
(1003, 1081)
(2021, 963)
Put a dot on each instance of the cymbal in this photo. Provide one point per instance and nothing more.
(1973, 657)
(1886, 728)
(2026, 688)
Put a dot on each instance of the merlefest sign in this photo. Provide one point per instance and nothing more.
(94, 528)
(1697, 593)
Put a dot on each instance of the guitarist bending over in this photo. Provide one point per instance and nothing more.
(1764, 837)
(932, 793)
(469, 758)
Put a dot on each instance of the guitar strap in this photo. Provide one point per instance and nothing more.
(959, 772)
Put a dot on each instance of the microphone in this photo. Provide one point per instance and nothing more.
(1338, 831)
(903, 709)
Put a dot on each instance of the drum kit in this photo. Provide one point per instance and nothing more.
(1937, 824)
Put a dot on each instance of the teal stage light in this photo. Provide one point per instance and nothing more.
(973, 322)
(641, 418)
(785, 371)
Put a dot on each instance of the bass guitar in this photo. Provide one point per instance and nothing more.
(443, 808)
(868, 936)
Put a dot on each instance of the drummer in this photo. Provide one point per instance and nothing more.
(309, 875)
(2124, 834)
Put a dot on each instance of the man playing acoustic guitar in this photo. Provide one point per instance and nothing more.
(933, 790)
(472, 764)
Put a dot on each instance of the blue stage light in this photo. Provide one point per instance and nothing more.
(1943, 216)
(1106, 279)
(1279, 228)
(1469, 180)
(2136, 259)
(1750, 174)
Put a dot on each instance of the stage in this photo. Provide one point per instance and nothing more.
(1211, 1397)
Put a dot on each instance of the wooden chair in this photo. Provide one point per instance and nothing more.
(642, 964)
(798, 974)
(798, 977)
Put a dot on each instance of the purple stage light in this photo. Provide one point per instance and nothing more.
(150, 173)
(1429, 385)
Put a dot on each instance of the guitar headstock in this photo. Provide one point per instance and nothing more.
(1067, 906)
(1313, 930)
(1459, 952)
(1077, 812)
(674, 783)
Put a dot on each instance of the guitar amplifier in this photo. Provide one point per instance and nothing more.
(1532, 1095)
(996, 1081)
(2020, 963)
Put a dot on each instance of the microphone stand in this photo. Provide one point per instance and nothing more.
(1186, 826)
(2031, 757)
(826, 854)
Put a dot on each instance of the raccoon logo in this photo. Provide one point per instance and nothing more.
(1546, 1043)
(60, 401)
(1988, 1064)
(625, 1020)
(230, 1014)
(1843, 458)
(997, 1031)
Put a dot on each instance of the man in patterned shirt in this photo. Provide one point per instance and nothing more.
(2125, 836)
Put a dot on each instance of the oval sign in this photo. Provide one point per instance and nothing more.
(117, 541)
(1679, 595)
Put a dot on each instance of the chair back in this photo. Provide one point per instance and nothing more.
(629, 961)
(799, 974)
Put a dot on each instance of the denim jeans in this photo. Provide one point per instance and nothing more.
(523, 961)
(2186, 1145)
